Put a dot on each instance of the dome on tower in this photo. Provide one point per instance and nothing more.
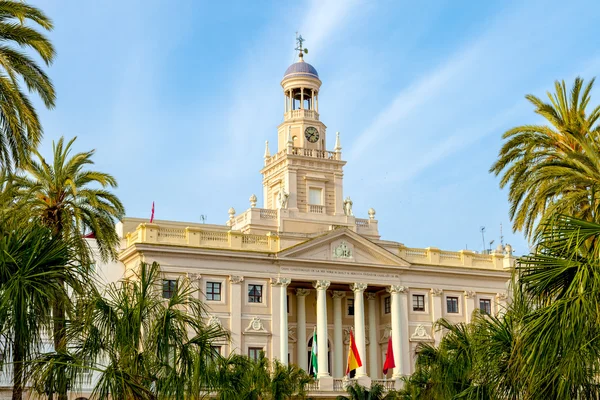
(301, 68)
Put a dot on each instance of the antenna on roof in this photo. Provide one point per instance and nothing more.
(482, 230)
(501, 236)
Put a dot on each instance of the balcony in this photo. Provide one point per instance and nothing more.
(307, 114)
(316, 209)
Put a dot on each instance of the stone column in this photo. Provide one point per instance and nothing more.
(322, 339)
(436, 311)
(399, 329)
(359, 325)
(469, 305)
(317, 102)
(235, 319)
(302, 98)
(374, 367)
(301, 334)
(338, 335)
(281, 284)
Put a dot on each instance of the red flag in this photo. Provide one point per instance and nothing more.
(389, 357)
(353, 357)
(152, 215)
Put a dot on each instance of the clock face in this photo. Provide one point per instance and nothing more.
(311, 134)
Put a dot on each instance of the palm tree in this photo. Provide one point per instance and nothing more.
(239, 377)
(561, 335)
(32, 263)
(375, 392)
(141, 345)
(553, 168)
(20, 128)
(70, 200)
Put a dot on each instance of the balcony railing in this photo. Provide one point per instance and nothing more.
(309, 114)
(301, 151)
(316, 209)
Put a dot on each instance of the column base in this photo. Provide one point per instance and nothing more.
(326, 383)
(364, 381)
(398, 384)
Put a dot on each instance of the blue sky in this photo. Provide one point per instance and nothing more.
(178, 98)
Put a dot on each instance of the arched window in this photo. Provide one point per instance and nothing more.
(309, 346)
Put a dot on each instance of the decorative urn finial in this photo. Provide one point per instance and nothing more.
(267, 153)
(371, 213)
(231, 214)
(253, 201)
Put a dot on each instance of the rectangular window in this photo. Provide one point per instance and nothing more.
(169, 287)
(254, 352)
(418, 302)
(315, 196)
(216, 350)
(485, 305)
(213, 291)
(350, 306)
(452, 305)
(387, 305)
(254, 293)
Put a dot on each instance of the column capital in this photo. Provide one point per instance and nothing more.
(321, 285)
(338, 294)
(358, 287)
(193, 277)
(236, 278)
(397, 289)
(371, 296)
(280, 281)
(301, 292)
(437, 292)
(469, 294)
(502, 296)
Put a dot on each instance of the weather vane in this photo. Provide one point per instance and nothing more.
(300, 48)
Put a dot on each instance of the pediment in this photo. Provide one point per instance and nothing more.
(342, 246)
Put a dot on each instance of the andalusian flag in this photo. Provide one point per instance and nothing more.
(353, 356)
(313, 367)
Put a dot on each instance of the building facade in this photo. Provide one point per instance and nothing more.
(304, 263)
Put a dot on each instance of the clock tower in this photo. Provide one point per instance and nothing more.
(303, 177)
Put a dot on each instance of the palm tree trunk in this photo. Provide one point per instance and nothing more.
(17, 393)
(60, 346)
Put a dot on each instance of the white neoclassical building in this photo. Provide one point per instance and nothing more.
(304, 262)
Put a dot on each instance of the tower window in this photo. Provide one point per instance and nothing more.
(315, 196)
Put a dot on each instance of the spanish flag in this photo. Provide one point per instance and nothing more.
(353, 356)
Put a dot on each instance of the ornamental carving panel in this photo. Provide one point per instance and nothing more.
(342, 250)
(420, 334)
(301, 292)
(236, 279)
(256, 325)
